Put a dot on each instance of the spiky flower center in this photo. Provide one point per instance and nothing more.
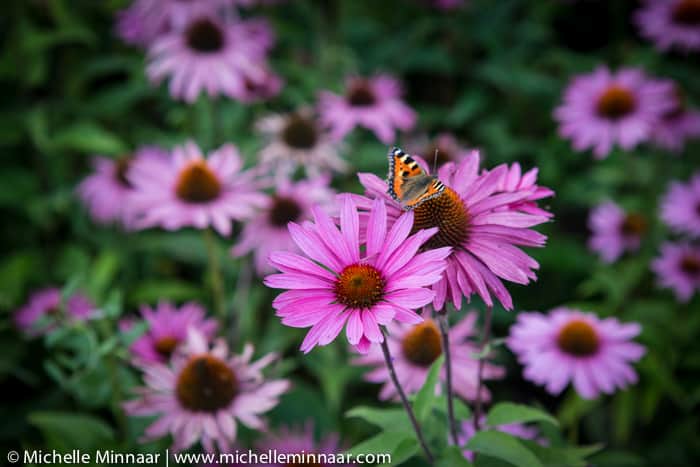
(422, 344)
(197, 183)
(361, 94)
(616, 102)
(690, 264)
(686, 13)
(634, 224)
(300, 133)
(578, 338)
(283, 211)
(359, 286)
(121, 169)
(448, 213)
(204, 36)
(165, 346)
(206, 384)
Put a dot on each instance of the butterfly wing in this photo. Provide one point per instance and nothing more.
(408, 182)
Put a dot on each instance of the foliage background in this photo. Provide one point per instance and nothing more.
(490, 72)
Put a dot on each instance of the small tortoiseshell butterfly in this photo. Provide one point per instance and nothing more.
(408, 182)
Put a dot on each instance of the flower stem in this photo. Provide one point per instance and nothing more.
(404, 400)
(444, 331)
(217, 283)
(486, 335)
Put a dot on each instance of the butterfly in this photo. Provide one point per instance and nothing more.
(408, 182)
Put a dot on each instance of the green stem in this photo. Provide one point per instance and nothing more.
(480, 372)
(444, 331)
(215, 275)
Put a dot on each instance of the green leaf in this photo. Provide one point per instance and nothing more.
(504, 447)
(567, 456)
(386, 419)
(65, 431)
(386, 441)
(452, 456)
(508, 412)
(89, 137)
(425, 398)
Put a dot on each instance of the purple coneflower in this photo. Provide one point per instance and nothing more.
(335, 284)
(614, 231)
(374, 103)
(677, 125)
(193, 191)
(213, 56)
(602, 109)
(680, 207)
(46, 309)
(568, 345)
(671, 23)
(298, 140)
(267, 232)
(167, 329)
(415, 347)
(106, 190)
(484, 227)
(518, 430)
(299, 443)
(203, 393)
(678, 269)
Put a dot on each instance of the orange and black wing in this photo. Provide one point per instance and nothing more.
(408, 182)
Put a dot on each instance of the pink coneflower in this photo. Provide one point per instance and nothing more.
(193, 191)
(210, 55)
(678, 269)
(680, 207)
(298, 140)
(266, 84)
(677, 125)
(516, 181)
(298, 443)
(144, 20)
(267, 232)
(202, 394)
(46, 309)
(105, 191)
(569, 345)
(167, 329)
(614, 231)
(483, 225)
(374, 103)
(602, 109)
(518, 430)
(334, 283)
(671, 23)
(416, 347)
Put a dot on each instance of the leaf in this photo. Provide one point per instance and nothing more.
(508, 412)
(571, 456)
(504, 447)
(386, 419)
(88, 137)
(65, 431)
(425, 398)
(386, 441)
(452, 456)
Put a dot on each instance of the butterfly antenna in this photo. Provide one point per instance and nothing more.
(435, 161)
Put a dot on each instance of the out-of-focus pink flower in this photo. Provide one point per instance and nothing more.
(39, 315)
(678, 269)
(614, 231)
(670, 23)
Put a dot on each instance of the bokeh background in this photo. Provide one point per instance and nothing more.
(489, 72)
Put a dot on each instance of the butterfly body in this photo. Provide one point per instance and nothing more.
(408, 183)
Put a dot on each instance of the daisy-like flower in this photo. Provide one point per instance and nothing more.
(678, 269)
(144, 20)
(210, 55)
(515, 181)
(300, 447)
(46, 310)
(415, 347)
(614, 231)
(167, 329)
(677, 125)
(670, 23)
(203, 393)
(193, 191)
(374, 103)
(680, 207)
(484, 227)
(334, 283)
(105, 191)
(518, 430)
(569, 345)
(298, 140)
(602, 109)
(265, 85)
(267, 232)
